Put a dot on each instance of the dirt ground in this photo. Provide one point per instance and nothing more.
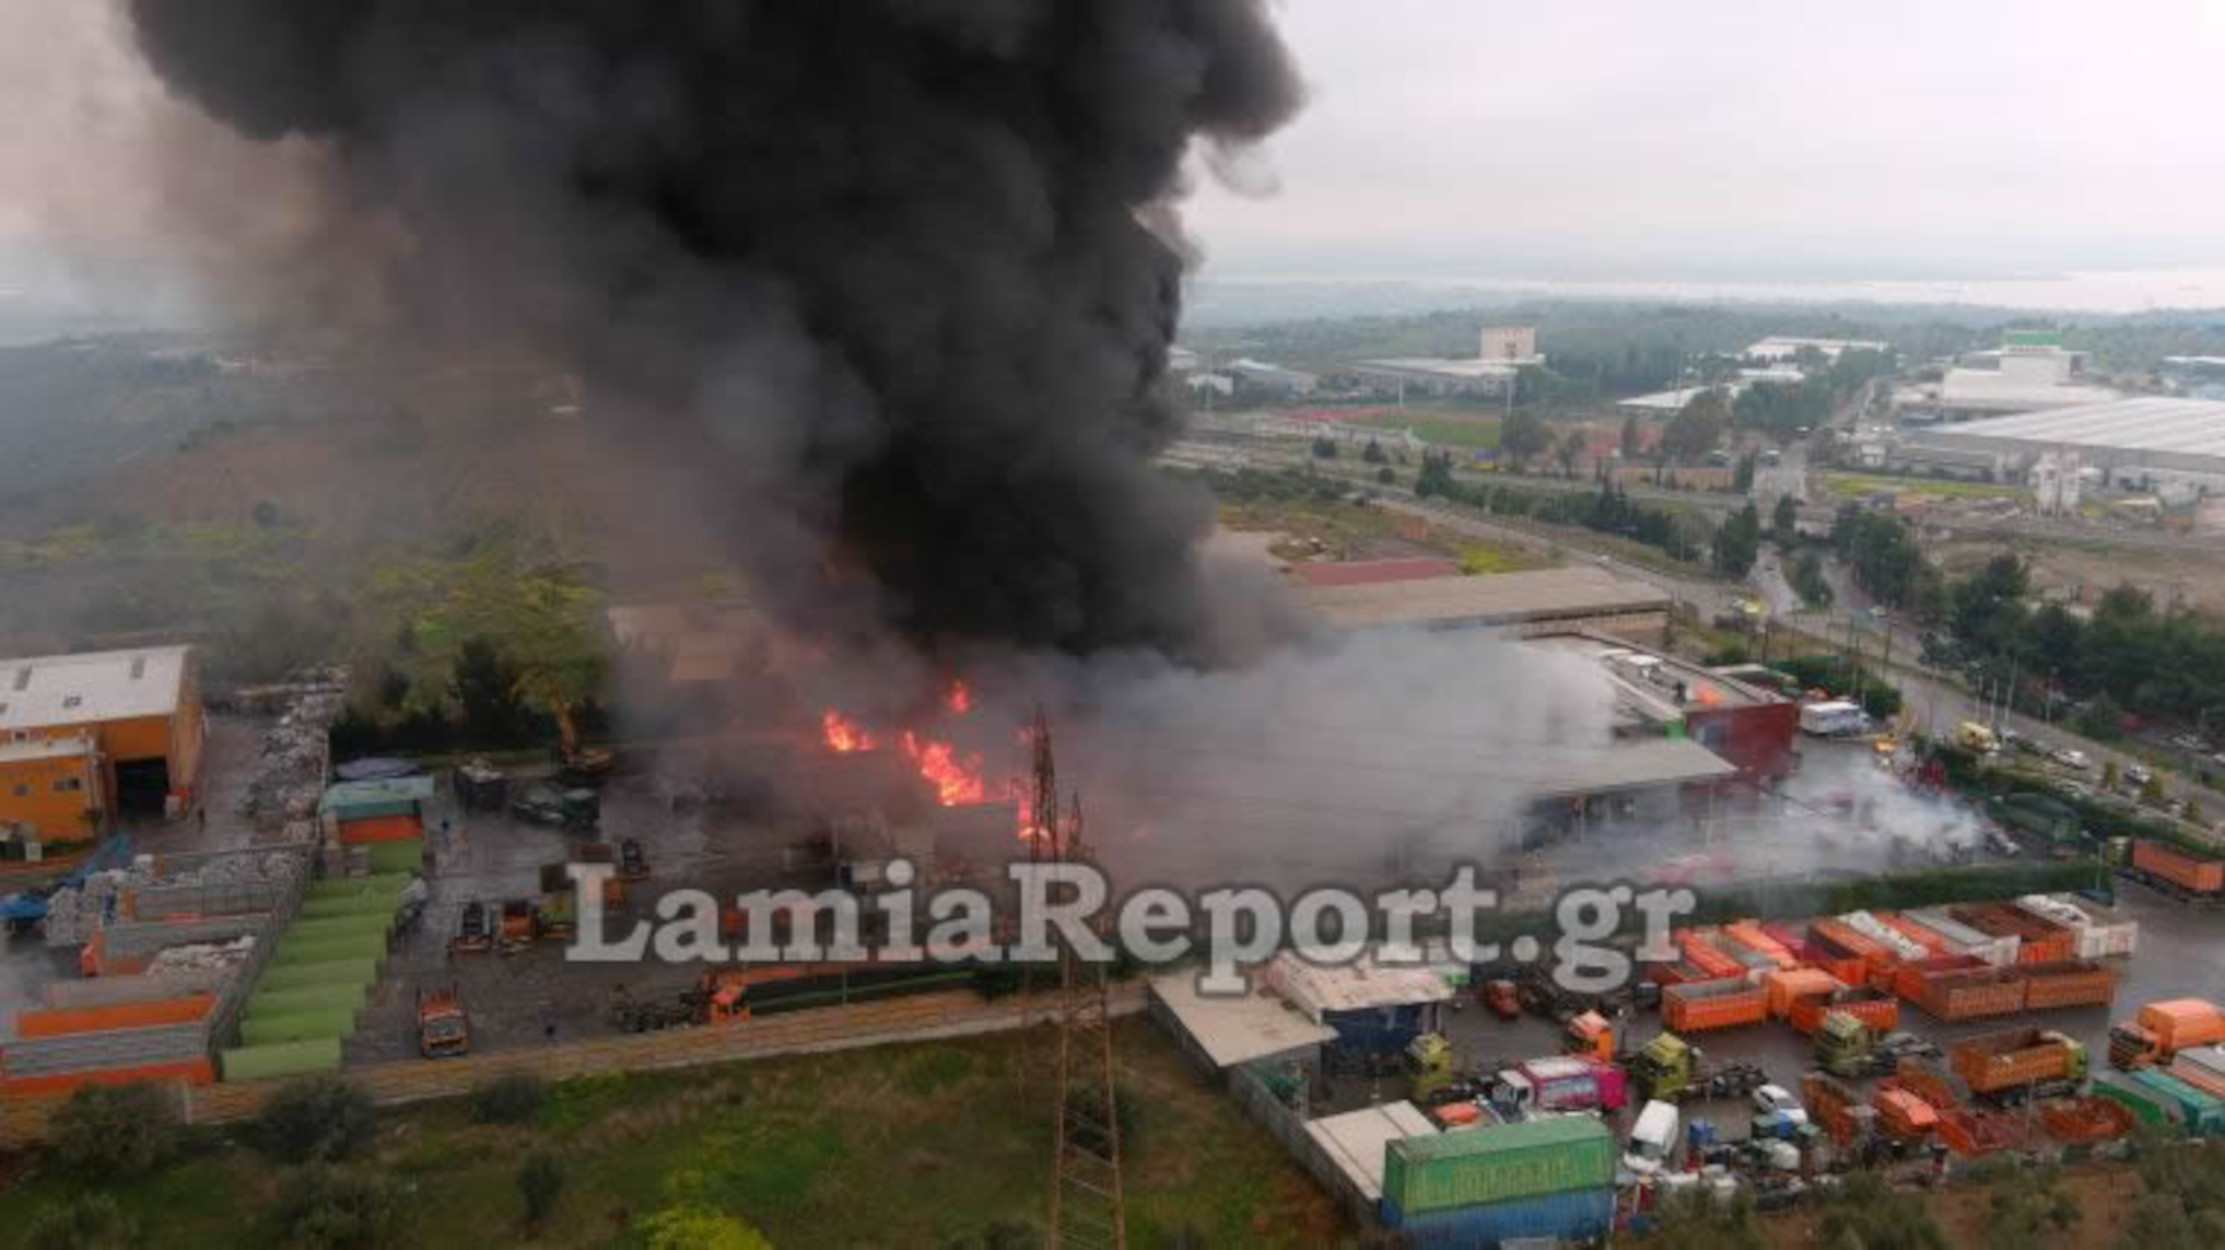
(2193, 577)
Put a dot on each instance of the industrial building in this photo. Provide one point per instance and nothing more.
(84, 738)
(1545, 601)
(1658, 695)
(2031, 372)
(1786, 347)
(2135, 444)
(1501, 353)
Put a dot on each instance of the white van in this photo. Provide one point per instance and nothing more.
(1652, 1139)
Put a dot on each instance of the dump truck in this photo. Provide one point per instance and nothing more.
(520, 925)
(1503, 998)
(633, 862)
(1591, 1035)
(1670, 1069)
(1902, 1115)
(1847, 1047)
(1833, 1107)
(2163, 1029)
(474, 929)
(2176, 872)
(575, 809)
(442, 1027)
(2017, 1065)
(1559, 1084)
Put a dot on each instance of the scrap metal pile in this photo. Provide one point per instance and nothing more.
(289, 771)
(75, 913)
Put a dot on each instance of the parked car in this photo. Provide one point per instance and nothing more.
(2072, 757)
(2137, 775)
(1777, 1100)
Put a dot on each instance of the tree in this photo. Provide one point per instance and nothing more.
(1633, 441)
(115, 1131)
(2194, 809)
(1385, 476)
(484, 684)
(1569, 450)
(512, 1099)
(335, 1209)
(2109, 775)
(1695, 1220)
(1325, 448)
(1866, 1213)
(1696, 428)
(1808, 582)
(692, 1226)
(2151, 791)
(316, 1119)
(540, 1182)
(2029, 1209)
(88, 1221)
(1784, 522)
(1435, 477)
(1373, 452)
(1522, 437)
(1738, 542)
(1742, 477)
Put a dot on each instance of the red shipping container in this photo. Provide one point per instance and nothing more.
(370, 829)
(59, 1021)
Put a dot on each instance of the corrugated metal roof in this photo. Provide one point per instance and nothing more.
(2193, 427)
(385, 790)
(1236, 1030)
(87, 689)
(1317, 989)
(1496, 599)
(1356, 1140)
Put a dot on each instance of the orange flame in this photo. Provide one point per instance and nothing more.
(955, 780)
(958, 698)
(843, 734)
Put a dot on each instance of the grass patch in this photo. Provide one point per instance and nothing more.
(1852, 484)
(895, 1146)
(1478, 433)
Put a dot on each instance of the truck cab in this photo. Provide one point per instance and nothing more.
(442, 1027)
(1430, 1065)
(1591, 1035)
(1652, 1139)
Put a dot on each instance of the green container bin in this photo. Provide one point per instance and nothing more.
(380, 885)
(281, 1059)
(404, 856)
(293, 951)
(331, 972)
(296, 1026)
(340, 906)
(307, 998)
(338, 926)
(1501, 1163)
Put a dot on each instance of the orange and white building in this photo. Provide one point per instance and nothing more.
(86, 738)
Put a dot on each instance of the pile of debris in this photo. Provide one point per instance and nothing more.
(202, 956)
(75, 913)
(290, 770)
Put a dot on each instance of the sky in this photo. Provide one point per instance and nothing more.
(1603, 140)
(1639, 139)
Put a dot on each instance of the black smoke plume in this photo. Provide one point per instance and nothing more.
(882, 265)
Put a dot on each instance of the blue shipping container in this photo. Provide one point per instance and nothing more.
(1376, 1031)
(1573, 1216)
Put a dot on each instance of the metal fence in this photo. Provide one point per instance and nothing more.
(224, 1020)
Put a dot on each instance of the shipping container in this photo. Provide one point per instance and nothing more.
(1910, 978)
(1973, 995)
(407, 855)
(2098, 936)
(2038, 940)
(1755, 962)
(2017, 1060)
(307, 998)
(2196, 1112)
(1915, 931)
(2191, 873)
(1697, 1006)
(1880, 1011)
(146, 987)
(1752, 935)
(281, 1059)
(333, 972)
(368, 945)
(1784, 987)
(1904, 947)
(2000, 951)
(58, 1022)
(2139, 1102)
(182, 1071)
(263, 1029)
(347, 905)
(2211, 1058)
(2208, 1080)
(1702, 954)
(1577, 1215)
(378, 885)
(2073, 983)
(1498, 1163)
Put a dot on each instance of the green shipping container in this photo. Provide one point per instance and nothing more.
(292, 951)
(280, 1059)
(404, 856)
(346, 905)
(332, 972)
(295, 1026)
(307, 998)
(2197, 1112)
(1469, 1167)
(380, 885)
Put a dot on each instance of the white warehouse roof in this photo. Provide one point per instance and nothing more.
(2185, 433)
(50, 690)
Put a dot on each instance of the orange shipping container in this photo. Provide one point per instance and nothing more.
(1698, 1006)
(404, 828)
(2188, 872)
(1786, 987)
(1713, 962)
(2041, 941)
(1909, 979)
(1916, 932)
(1753, 936)
(1873, 1007)
(1973, 995)
(2076, 983)
(189, 1071)
(58, 1021)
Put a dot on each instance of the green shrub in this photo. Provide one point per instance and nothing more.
(322, 1119)
(115, 1131)
(540, 1183)
(324, 1208)
(513, 1099)
(85, 1222)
